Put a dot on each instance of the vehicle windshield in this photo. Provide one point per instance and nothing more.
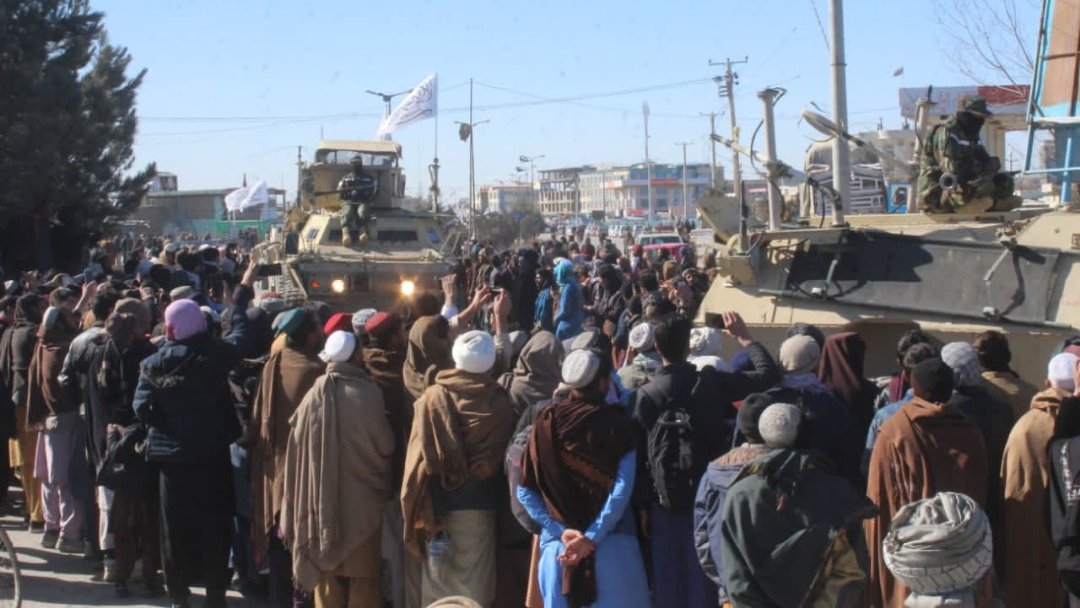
(344, 157)
(659, 239)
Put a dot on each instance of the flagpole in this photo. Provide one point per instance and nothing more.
(435, 163)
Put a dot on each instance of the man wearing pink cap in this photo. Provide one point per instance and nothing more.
(183, 397)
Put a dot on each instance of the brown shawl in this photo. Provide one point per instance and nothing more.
(460, 431)
(1007, 387)
(924, 449)
(841, 369)
(537, 374)
(1030, 561)
(428, 353)
(385, 368)
(572, 458)
(44, 395)
(286, 378)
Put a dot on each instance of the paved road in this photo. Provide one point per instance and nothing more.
(50, 578)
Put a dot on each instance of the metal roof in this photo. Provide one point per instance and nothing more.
(371, 147)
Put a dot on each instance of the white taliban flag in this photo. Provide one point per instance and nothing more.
(421, 103)
(245, 197)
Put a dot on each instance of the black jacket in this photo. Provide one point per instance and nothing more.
(827, 427)
(708, 397)
(183, 394)
(1064, 507)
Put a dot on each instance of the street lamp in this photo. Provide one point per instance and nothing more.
(465, 132)
(531, 160)
(387, 98)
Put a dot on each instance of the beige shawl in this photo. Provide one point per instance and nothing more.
(338, 475)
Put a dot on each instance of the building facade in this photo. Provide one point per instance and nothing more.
(559, 190)
(624, 191)
(504, 197)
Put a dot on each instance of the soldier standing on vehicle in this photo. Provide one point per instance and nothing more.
(956, 174)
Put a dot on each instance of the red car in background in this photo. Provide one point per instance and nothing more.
(652, 252)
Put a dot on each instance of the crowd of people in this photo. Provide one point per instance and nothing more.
(553, 431)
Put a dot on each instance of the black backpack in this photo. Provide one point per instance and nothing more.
(671, 452)
(514, 459)
(515, 455)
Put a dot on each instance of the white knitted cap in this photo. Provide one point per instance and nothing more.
(580, 367)
(339, 347)
(779, 425)
(642, 337)
(361, 317)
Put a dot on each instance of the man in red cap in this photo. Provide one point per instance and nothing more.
(286, 377)
(341, 321)
(384, 357)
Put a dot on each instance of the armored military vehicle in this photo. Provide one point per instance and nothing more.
(350, 242)
(952, 275)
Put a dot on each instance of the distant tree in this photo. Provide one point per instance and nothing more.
(67, 125)
(529, 221)
(990, 41)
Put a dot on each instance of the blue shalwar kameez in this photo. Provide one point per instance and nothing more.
(620, 573)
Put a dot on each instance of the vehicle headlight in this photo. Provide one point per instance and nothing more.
(337, 286)
(408, 288)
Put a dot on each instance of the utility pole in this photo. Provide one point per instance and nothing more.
(299, 178)
(712, 148)
(648, 165)
(726, 86)
(685, 196)
(841, 160)
(472, 166)
(603, 190)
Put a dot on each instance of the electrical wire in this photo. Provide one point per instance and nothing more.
(592, 106)
(273, 122)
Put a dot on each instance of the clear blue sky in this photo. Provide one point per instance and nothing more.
(233, 87)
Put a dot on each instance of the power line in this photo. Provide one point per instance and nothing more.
(538, 100)
(541, 99)
(821, 26)
(574, 98)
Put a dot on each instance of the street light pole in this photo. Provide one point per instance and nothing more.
(648, 165)
(531, 160)
(388, 97)
(841, 169)
(465, 132)
(685, 202)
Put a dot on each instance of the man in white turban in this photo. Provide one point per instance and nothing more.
(453, 474)
(338, 480)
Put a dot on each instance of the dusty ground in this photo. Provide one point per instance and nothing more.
(50, 578)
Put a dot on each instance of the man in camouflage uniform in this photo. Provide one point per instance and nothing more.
(953, 147)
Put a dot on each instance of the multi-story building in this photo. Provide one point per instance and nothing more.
(504, 197)
(624, 191)
(559, 193)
